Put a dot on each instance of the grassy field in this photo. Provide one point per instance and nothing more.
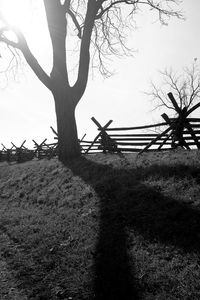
(102, 227)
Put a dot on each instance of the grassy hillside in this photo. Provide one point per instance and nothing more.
(102, 227)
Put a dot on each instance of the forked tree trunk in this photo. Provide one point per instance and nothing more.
(68, 144)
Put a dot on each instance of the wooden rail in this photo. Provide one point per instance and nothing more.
(39, 150)
(135, 128)
(181, 131)
(116, 139)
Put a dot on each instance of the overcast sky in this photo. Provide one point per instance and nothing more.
(27, 107)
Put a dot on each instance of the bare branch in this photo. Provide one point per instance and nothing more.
(35, 66)
(74, 19)
(84, 59)
(10, 69)
(104, 10)
(103, 27)
(115, 19)
(185, 88)
(66, 5)
(22, 45)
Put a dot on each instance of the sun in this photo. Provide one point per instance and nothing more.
(17, 13)
(30, 18)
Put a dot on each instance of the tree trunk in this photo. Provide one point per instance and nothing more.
(68, 144)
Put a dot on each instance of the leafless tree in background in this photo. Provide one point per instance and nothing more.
(185, 87)
(101, 29)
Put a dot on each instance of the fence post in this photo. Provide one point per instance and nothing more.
(39, 148)
(100, 133)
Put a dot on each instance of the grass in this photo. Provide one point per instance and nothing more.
(101, 227)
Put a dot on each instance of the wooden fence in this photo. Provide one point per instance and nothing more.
(39, 150)
(22, 153)
(170, 134)
(167, 135)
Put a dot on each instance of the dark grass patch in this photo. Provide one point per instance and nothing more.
(104, 227)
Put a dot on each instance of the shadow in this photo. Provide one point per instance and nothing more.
(127, 203)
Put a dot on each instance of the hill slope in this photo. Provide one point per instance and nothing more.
(102, 227)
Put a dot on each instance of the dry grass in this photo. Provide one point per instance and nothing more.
(102, 227)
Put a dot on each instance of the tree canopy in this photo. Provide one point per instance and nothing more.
(103, 23)
(99, 29)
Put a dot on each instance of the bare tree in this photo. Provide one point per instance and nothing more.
(180, 93)
(184, 86)
(101, 28)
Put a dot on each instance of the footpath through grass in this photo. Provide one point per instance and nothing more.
(102, 227)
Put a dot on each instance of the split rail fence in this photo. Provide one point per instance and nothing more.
(40, 150)
(172, 134)
(181, 131)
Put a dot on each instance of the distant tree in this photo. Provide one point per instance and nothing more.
(101, 28)
(184, 86)
(180, 93)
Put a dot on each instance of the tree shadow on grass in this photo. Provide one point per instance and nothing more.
(125, 202)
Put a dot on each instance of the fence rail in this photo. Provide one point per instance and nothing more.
(175, 132)
(135, 128)
(42, 150)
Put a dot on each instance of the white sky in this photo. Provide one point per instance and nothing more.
(27, 107)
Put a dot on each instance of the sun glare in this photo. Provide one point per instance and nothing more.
(16, 13)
